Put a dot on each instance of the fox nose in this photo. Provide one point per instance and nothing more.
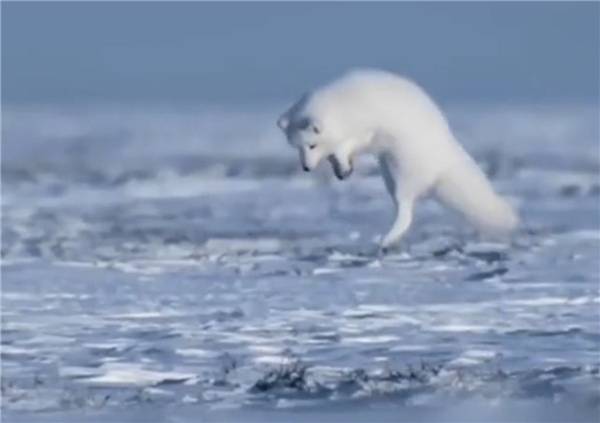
(306, 168)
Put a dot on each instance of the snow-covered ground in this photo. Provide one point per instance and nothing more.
(176, 265)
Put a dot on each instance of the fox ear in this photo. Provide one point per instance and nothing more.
(283, 122)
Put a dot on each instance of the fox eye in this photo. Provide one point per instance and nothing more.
(312, 146)
(308, 124)
(304, 124)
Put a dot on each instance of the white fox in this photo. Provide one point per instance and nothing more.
(384, 114)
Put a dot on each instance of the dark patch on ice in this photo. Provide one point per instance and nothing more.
(575, 332)
(292, 376)
(489, 256)
(488, 274)
(570, 190)
(153, 334)
(296, 376)
(443, 252)
(578, 190)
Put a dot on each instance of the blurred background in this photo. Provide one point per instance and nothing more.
(203, 52)
(113, 92)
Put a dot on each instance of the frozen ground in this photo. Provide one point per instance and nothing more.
(176, 265)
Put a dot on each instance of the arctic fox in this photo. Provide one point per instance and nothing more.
(391, 117)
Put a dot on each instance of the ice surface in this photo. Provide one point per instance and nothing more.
(177, 265)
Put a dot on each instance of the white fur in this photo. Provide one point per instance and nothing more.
(376, 112)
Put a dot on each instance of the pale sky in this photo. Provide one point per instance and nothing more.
(259, 51)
